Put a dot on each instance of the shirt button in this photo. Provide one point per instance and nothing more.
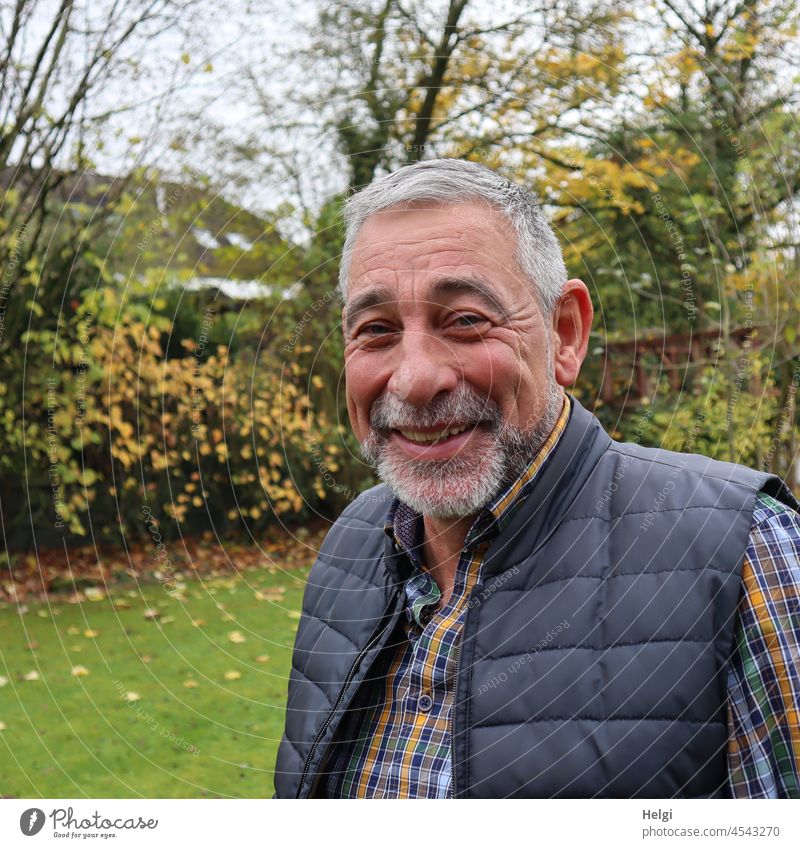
(425, 702)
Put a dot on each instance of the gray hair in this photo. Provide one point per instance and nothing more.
(538, 252)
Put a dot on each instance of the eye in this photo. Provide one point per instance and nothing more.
(468, 319)
(374, 329)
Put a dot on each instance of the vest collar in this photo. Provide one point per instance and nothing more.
(557, 485)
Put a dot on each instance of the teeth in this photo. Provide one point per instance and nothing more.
(430, 438)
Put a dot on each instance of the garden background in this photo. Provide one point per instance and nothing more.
(174, 435)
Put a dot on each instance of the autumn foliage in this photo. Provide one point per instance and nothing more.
(106, 431)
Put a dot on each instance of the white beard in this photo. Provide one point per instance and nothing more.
(460, 486)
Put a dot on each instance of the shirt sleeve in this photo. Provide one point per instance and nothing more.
(764, 672)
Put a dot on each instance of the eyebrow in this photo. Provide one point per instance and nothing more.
(443, 287)
(361, 302)
(470, 285)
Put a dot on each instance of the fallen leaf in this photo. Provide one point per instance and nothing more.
(271, 594)
(79, 671)
(151, 613)
(2, 726)
(3, 681)
(198, 622)
(233, 675)
(130, 697)
(168, 619)
(94, 593)
(293, 614)
(262, 658)
(190, 684)
(236, 637)
(73, 631)
(91, 634)
(31, 675)
(146, 658)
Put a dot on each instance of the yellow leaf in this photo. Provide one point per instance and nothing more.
(236, 637)
(130, 697)
(190, 684)
(91, 634)
(233, 675)
(31, 675)
(79, 671)
(262, 658)
(94, 593)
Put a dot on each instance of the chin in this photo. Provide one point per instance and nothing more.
(449, 490)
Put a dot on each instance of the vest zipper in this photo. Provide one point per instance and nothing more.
(452, 717)
(347, 680)
(475, 589)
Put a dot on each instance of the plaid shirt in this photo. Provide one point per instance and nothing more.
(398, 744)
(764, 675)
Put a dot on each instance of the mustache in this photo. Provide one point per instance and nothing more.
(464, 405)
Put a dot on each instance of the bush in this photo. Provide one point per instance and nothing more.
(101, 430)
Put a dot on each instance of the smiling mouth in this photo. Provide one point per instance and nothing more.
(433, 437)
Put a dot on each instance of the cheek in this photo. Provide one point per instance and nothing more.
(508, 377)
(362, 387)
(494, 370)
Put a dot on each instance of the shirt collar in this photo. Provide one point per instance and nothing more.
(404, 525)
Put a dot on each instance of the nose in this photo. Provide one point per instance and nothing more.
(426, 366)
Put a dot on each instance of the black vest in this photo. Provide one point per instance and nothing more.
(595, 645)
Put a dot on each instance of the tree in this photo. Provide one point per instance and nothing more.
(55, 60)
(394, 82)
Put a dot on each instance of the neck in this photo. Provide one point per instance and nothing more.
(444, 540)
(446, 536)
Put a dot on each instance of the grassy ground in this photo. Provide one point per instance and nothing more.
(148, 692)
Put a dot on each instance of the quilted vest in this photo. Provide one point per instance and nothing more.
(594, 650)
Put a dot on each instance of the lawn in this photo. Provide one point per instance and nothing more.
(148, 691)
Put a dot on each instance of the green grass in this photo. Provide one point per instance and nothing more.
(75, 736)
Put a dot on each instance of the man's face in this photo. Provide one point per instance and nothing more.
(443, 332)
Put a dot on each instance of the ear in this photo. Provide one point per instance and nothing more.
(572, 322)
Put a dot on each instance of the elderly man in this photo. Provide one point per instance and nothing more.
(524, 607)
